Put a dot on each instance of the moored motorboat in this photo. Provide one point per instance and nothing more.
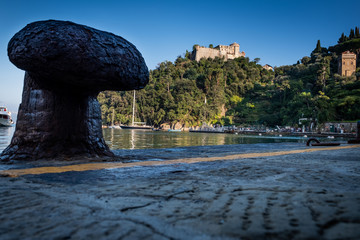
(5, 118)
(174, 130)
(114, 127)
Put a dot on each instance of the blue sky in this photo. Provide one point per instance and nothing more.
(277, 32)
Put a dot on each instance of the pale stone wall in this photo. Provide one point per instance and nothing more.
(347, 64)
(222, 51)
(204, 52)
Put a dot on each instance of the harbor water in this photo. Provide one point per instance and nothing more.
(6, 134)
(143, 139)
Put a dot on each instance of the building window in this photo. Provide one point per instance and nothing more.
(343, 63)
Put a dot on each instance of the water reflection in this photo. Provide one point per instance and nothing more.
(138, 139)
(6, 134)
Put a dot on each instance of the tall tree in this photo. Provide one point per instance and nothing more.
(357, 33)
(342, 38)
(318, 47)
(352, 34)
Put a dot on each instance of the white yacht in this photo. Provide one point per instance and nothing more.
(5, 118)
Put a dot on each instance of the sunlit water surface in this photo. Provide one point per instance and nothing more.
(6, 134)
(140, 139)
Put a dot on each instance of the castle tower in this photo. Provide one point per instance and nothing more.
(236, 48)
(347, 64)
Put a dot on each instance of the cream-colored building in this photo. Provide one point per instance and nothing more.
(347, 64)
(268, 67)
(221, 51)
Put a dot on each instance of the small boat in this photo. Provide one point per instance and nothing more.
(115, 127)
(174, 130)
(5, 118)
(136, 127)
(205, 128)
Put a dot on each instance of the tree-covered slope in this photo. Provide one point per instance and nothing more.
(240, 91)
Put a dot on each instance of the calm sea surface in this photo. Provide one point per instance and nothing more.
(137, 139)
(6, 134)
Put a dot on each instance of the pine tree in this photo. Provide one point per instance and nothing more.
(318, 47)
(352, 34)
(342, 38)
(357, 33)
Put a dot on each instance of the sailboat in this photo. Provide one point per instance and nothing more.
(136, 125)
(112, 121)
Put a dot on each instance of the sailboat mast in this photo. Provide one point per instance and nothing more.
(113, 116)
(133, 113)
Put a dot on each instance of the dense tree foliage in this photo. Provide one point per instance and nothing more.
(240, 91)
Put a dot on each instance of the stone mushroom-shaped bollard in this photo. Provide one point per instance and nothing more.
(66, 66)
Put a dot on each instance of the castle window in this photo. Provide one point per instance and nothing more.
(343, 63)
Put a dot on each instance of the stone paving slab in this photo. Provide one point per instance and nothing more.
(309, 195)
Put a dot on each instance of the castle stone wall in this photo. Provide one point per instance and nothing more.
(204, 52)
(221, 51)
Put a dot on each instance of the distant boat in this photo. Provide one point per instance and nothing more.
(115, 127)
(205, 128)
(174, 130)
(5, 118)
(136, 125)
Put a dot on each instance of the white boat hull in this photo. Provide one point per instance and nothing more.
(6, 122)
(5, 118)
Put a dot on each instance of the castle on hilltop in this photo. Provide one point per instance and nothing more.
(221, 51)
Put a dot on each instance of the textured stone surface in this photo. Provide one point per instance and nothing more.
(66, 66)
(313, 195)
(60, 54)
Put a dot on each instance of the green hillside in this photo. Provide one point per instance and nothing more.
(241, 92)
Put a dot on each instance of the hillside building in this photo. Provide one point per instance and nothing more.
(221, 51)
(347, 64)
(268, 67)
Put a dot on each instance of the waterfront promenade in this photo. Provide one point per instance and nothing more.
(249, 191)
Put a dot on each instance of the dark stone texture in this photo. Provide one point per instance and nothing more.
(61, 54)
(66, 66)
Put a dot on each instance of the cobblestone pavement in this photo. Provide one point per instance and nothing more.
(310, 195)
